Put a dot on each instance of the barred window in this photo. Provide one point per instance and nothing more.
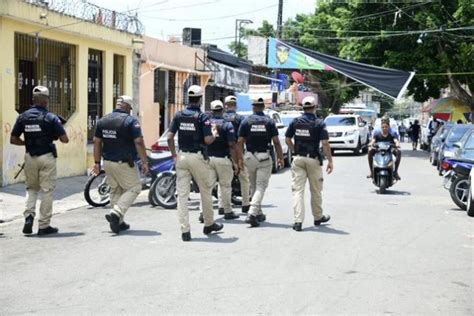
(171, 86)
(49, 63)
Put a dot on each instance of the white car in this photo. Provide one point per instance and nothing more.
(347, 132)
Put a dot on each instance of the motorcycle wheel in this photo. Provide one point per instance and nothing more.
(163, 190)
(383, 183)
(97, 191)
(470, 205)
(459, 192)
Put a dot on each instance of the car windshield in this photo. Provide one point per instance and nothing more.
(456, 134)
(287, 120)
(340, 121)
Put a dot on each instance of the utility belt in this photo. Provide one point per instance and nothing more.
(202, 151)
(318, 155)
(219, 156)
(128, 161)
(261, 155)
(51, 149)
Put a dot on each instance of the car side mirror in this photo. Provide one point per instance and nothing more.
(362, 124)
(457, 145)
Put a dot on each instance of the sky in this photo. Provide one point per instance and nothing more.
(216, 18)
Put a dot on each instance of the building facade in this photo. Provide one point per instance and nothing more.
(82, 53)
(167, 71)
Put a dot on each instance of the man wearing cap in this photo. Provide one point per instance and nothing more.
(40, 128)
(257, 132)
(308, 131)
(220, 153)
(118, 139)
(194, 135)
(236, 119)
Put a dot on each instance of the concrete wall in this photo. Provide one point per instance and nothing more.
(19, 17)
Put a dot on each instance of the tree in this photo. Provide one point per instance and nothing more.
(418, 37)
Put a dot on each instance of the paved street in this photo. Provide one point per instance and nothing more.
(410, 251)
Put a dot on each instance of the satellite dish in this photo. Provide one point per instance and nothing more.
(297, 77)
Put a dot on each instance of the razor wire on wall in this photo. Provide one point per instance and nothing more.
(84, 10)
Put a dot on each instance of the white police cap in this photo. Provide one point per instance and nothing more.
(195, 91)
(125, 99)
(309, 102)
(230, 99)
(40, 90)
(217, 105)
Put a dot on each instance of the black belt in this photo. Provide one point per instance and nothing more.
(118, 161)
(259, 152)
(308, 155)
(218, 156)
(190, 151)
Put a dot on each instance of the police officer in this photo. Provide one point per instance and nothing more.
(40, 128)
(192, 162)
(230, 115)
(257, 132)
(220, 151)
(118, 138)
(307, 131)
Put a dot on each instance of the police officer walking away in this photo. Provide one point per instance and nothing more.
(40, 128)
(257, 132)
(220, 151)
(308, 131)
(230, 115)
(192, 162)
(118, 138)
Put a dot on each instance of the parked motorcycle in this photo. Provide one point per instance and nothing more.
(163, 190)
(97, 191)
(456, 180)
(383, 166)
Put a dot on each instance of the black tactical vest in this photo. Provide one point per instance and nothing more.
(258, 138)
(306, 138)
(220, 146)
(38, 134)
(233, 118)
(116, 137)
(190, 136)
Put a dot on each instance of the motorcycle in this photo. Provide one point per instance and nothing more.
(456, 180)
(383, 166)
(163, 190)
(97, 191)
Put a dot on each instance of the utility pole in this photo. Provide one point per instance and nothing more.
(278, 36)
(279, 18)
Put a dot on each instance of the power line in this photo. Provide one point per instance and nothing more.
(209, 19)
(184, 6)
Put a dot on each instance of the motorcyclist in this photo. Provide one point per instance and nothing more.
(385, 134)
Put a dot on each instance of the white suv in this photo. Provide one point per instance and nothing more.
(347, 132)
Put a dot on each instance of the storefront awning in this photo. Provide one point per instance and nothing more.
(390, 82)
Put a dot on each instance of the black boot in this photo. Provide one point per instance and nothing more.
(114, 221)
(297, 227)
(245, 209)
(221, 211)
(186, 236)
(201, 218)
(261, 217)
(48, 230)
(213, 228)
(231, 215)
(124, 226)
(28, 227)
(252, 220)
(323, 219)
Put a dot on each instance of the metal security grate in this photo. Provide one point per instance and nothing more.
(48, 63)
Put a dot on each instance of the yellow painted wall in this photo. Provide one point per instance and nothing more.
(73, 156)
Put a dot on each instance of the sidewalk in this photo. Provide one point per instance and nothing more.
(68, 195)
